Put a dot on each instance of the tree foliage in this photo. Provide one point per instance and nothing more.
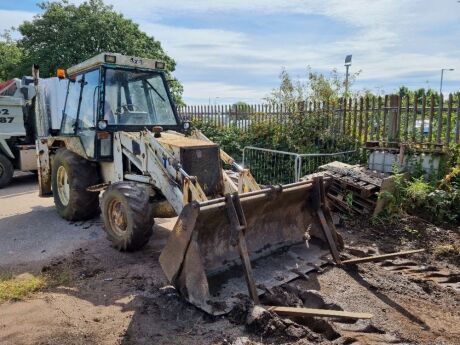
(10, 57)
(65, 34)
(318, 87)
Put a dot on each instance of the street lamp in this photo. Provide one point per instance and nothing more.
(442, 76)
(347, 66)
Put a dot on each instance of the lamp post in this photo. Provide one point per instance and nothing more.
(442, 76)
(347, 66)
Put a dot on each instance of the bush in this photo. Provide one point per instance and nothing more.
(417, 192)
(438, 202)
(302, 134)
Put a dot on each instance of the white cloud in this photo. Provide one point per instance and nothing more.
(219, 92)
(10, 18)
(389, 39)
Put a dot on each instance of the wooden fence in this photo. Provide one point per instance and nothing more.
(427, 120)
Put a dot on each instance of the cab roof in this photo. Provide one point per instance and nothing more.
(115, 59)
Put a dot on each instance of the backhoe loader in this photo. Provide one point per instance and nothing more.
(123, 151)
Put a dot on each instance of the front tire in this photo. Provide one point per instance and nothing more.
(71, 175)
(6, 171)
(128, 215)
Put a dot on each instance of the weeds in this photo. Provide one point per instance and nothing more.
(21, 286)
(450, 251)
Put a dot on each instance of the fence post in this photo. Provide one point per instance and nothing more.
(449, 120)
(393, 118)
(440, 110)
(457, 127)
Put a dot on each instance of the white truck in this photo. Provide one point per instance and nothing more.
(18, 131)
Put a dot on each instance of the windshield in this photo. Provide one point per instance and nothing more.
(136, 98)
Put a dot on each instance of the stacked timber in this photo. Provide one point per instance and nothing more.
(355, 189)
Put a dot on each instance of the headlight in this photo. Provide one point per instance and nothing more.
(102, 124)
(186, 125)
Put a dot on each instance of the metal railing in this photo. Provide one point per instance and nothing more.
(270, 167)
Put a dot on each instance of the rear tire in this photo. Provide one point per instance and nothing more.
(71, 175)
(6, 171)
(128, 215)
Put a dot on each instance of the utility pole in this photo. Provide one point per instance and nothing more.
(442, 75)
(347, 66)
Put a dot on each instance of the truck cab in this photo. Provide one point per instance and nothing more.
(17, 139)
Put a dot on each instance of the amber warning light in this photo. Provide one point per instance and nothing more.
(60, 73)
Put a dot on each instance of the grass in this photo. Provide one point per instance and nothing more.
(418, 191)
(19, 287)
(450, 250)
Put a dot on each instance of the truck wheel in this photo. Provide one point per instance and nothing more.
(6, 171)
(128, 216)
(71, 175)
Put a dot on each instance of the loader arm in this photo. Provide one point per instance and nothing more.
(161, 169)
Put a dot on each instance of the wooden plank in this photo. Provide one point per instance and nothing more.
(385, 131)
(430, 129)
(310, 312)
(379, 110)
(329, 236)
(350, 116)
(393, 115)
(366, 120)
(449, 119)
(406, 120)
(440, 111)
(355, 117)
(414, 121)
(360, 123)
(371, 123)
(381, 257)
(422, 127)
(457, 127)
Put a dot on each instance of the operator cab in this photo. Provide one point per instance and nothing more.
(113, 92)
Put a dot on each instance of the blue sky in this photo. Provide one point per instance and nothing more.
(231, 50)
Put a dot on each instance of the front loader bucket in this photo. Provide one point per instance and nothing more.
(203, 256)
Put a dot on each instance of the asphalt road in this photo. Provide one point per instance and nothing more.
(31, 230)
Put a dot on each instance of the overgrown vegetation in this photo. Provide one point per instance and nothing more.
(301, 135)
(437, 201)
(19, 287)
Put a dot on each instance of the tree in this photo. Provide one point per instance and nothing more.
(10, 57)
(66, 34)
(318, 87)
(288, 94)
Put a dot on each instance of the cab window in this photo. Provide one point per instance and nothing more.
(137, 98)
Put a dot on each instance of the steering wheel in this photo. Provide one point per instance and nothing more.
(127, 108)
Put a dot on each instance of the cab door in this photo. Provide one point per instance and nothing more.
(87, 114)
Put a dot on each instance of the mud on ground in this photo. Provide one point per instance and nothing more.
(100, 296)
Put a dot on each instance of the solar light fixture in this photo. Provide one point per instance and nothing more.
(347, 66)
(348, 60)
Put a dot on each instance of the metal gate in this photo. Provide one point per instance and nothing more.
(271, 167)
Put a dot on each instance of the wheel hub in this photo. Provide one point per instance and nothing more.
(63, 187)
(117, 216)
